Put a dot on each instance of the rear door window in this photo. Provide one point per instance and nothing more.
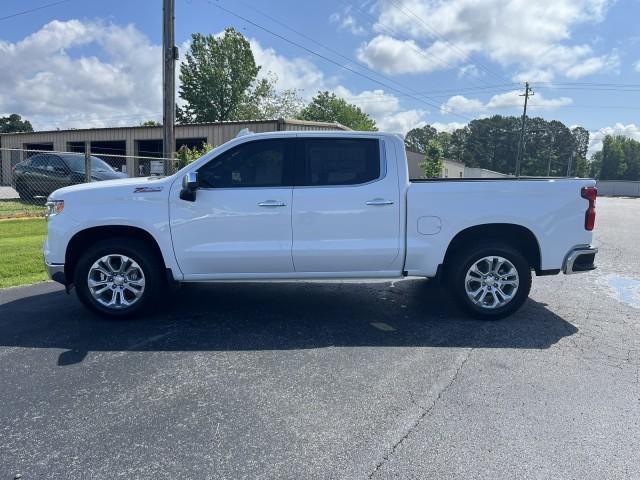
(336, 161)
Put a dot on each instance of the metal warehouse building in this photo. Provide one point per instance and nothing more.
(127, 143)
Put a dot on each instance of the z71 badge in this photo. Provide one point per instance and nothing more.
(147, 189)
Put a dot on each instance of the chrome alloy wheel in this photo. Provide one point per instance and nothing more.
(116, 281)
(491, 282)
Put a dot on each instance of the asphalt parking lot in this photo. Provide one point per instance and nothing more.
(332, 380)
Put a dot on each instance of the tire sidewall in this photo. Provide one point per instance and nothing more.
(23, 192)
(132, 249)
(464, 260)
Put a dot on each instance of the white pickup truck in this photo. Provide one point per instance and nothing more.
(315, 205)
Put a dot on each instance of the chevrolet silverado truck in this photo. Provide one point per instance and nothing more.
(315, 205)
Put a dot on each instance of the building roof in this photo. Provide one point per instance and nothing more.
(290, 121)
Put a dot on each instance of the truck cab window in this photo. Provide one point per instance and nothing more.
(262, 163)
(331, 161)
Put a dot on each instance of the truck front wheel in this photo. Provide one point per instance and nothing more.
(490, 281)
(118, 277)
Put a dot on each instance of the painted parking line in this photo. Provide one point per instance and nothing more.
(385, 327)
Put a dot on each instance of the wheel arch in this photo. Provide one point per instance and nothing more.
(514, 235)
(84, 238)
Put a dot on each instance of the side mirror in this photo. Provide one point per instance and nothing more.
(189, 187)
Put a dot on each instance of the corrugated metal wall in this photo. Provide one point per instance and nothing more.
(618, 188)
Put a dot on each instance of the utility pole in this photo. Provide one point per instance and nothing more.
(169, 56)
(571, 157)
(527, 93)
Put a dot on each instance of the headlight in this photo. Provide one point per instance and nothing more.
(54, 207)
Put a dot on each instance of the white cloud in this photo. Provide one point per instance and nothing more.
(533, 75)
(45, 84)
(405, 56)
(293, 73)
(460, 103)
(402, 121)
(346, 21)
(538, 101)
(535, 36)
(596, 137)
(636, 66)
(447, 127)
(384, 108)
(470, 71)
(47, 80)
(610, 63)
(512, 99)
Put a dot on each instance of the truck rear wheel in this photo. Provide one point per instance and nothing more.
(118, 277)
(489, 281)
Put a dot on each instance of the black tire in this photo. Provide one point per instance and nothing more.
(460, 263)
(134, 249)
(23, 192)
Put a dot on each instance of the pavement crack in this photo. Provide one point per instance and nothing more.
(425, 411)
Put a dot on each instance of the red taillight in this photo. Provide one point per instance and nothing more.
(590, 193)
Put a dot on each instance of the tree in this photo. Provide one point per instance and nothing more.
(595, 164)
(264, 102)
(492, 143)
(433, 164)
(216, 77)
(186, 155)
(150, 123)
(581, 139)
(328, 107)
(631, 150)
(418, 139)
(14, 123)
(613, 162)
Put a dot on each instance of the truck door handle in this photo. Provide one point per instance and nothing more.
(272, 203)
(379, 201)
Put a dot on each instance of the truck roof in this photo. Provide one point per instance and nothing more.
(313, 133)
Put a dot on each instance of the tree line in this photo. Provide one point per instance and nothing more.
(550, 148)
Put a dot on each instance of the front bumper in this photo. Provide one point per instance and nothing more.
(581, 259)
(56, 272)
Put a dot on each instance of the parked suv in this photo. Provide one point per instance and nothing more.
(43, 173)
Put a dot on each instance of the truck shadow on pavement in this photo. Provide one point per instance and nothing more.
(273, 316)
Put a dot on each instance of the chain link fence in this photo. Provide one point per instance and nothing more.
(30, 176)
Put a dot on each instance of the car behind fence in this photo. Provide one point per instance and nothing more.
(35, 174)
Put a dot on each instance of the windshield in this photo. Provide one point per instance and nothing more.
(76, 163)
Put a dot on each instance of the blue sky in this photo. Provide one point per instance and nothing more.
(88, 63)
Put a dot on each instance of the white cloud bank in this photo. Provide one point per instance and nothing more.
(420, 36)
(43, 82)
(512, 99)
(50, 81)
(596, 137)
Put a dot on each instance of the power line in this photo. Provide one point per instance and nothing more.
(322, 45)
(41, 7)
(414, 47)
(441, 37)
(591, 84)
(432, 105)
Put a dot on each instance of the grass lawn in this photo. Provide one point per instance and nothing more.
(20, 208)
(21, 251)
